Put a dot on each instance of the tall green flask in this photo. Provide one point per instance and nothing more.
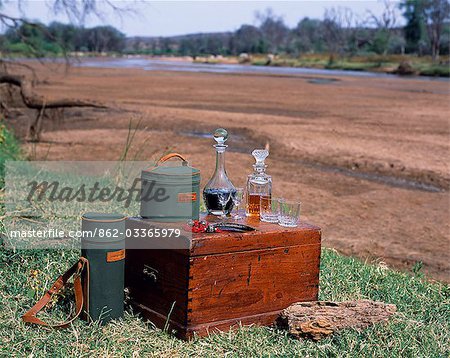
(103, 245)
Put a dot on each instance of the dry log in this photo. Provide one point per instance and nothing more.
(41, 104)
(317, 320)
(34, 101)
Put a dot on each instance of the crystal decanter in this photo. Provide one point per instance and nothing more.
(219, 186)
(259, 184)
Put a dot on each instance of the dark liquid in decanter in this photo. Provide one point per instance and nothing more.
(212, 200)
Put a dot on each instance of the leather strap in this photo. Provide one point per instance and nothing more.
(166, 158)
(76, 270)
(170, 156)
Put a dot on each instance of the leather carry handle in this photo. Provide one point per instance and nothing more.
(76, 270)
(170, 156)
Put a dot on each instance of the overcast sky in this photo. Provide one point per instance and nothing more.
(165, 18)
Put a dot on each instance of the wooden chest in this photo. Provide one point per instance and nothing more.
(221, 279)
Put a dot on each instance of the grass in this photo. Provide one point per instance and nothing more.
(9, 149)
(434, 70)
(420, 328)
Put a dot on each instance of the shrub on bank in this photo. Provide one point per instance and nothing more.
(9, 149)
(435, 70)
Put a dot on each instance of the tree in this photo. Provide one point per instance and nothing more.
(29, 32)
(64, 34)
(336, 25)
(307, 36)
(436, 13)
(30, 38)
(248, 39)
(104, 39)
(385, 24)
(425, 17)
(414, 29)
(273, 29)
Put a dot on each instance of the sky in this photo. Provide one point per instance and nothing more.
(167, 18)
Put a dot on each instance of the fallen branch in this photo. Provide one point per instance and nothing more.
(34, 101)
(5, 65)
(317, 320)
(41, 104)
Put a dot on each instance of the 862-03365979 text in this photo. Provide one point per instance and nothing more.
(102, 233)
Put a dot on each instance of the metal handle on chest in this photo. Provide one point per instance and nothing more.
(150, 273)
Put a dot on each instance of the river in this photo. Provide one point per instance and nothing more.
(187, 66)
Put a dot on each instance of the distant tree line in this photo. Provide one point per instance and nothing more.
(340, 32)
(57, 38)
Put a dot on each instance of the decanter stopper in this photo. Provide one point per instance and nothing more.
(260, 155)
(219, 185)
(220, 136)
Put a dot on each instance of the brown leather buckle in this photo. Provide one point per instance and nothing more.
(56, 286)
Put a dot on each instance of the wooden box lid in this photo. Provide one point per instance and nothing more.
(266, 236)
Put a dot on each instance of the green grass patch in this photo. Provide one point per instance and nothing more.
(419, 329)
(259, 62)
(9, 149)
(435, 70)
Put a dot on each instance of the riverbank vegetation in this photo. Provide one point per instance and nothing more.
(9, 149)
(340, 33)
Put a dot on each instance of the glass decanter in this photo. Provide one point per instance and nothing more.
(219, 183)
(259, 184)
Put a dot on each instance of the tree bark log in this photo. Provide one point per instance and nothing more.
(40, 103)
(317, 320)
(35, 101)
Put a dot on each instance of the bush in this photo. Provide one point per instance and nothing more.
(9, 149)
(19, 47)
(53, 48)
(435, 70)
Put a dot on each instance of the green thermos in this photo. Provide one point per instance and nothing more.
(170, 193)
(103, 245)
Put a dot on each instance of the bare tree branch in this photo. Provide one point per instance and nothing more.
(337, 24)
(77, 12)
(34, 101)
(44, 108)
(436, 13)
(385, 22)
(388, 18)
